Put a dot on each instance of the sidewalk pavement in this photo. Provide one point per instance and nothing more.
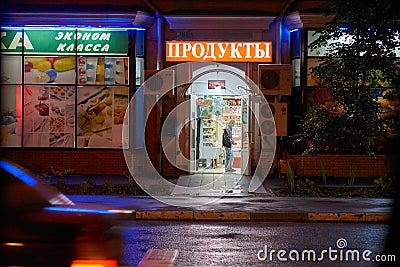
(255, 208)
(246, 207)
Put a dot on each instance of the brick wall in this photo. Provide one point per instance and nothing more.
(98, 161)
(339, 165)
(112, 162)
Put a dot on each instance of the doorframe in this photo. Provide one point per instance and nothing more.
(185, 88)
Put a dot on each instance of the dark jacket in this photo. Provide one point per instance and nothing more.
(227, 137)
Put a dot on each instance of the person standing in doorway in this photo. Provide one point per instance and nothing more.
(227, 142)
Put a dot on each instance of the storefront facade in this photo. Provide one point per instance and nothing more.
(284, 80)
(66, 88)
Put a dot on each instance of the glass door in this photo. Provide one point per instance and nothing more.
(245, 147)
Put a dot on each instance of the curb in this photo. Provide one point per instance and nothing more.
(367, 217)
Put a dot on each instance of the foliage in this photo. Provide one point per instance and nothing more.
(55, 172)
(305, 187)
(302, 187)
(290, 177)
(47, 176)
(339, 192)
(133, 187)
(87, 186)
(61, 185)
(385, 186)
(109, 187)
(359, 63)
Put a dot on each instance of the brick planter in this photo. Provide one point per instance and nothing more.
(339, 165)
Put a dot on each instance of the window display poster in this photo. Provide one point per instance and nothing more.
(49, 116)
(101, 111)
(209, 106)
(11, 119)
(312, 80)
(11, 67)
(312, 36)
(139, 71)
(102, 70)
(296, 72)
(53, 70)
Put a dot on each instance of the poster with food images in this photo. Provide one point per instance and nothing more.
(11, 69)
(100, 115)
(102, 70)
(49, 113)
(38, 70)
(121, 101)
(11, 117)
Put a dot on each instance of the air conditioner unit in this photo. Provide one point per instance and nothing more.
(274, 122)
(275, 79)
(158, 82)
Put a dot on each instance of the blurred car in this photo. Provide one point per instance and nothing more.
(42, 227)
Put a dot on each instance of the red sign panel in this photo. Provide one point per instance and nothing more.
(219, 51)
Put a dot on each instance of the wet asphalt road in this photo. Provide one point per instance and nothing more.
(251, 243)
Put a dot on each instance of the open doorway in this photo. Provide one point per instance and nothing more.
(217, 97)
(213, 115)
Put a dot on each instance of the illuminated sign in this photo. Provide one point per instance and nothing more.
(64, 41)
(219, 51)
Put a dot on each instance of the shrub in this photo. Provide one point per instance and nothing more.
(290, 177)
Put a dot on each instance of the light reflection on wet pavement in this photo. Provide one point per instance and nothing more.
(237, 243)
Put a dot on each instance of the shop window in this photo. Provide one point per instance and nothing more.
(139, 71)
(11, 117)
(100, 116)
(140, 43)
(296, 72)
(49, 116)
(64, 87)
(103, 70)
(315, 56)
(45, 70)
(11, 101)
(312, 63)
(11, 69)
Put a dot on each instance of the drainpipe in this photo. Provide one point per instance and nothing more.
(160, 41)
(278, 32)
(278, 54)
(160, 33)
(278, 37)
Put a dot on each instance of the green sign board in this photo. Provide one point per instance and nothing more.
(64, 42)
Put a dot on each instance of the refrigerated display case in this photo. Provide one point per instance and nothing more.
(232, 110)
(215, 113)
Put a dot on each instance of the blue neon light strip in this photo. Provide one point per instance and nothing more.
(72, 27)
(108, 20)
(23, 176)
(76, 210)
